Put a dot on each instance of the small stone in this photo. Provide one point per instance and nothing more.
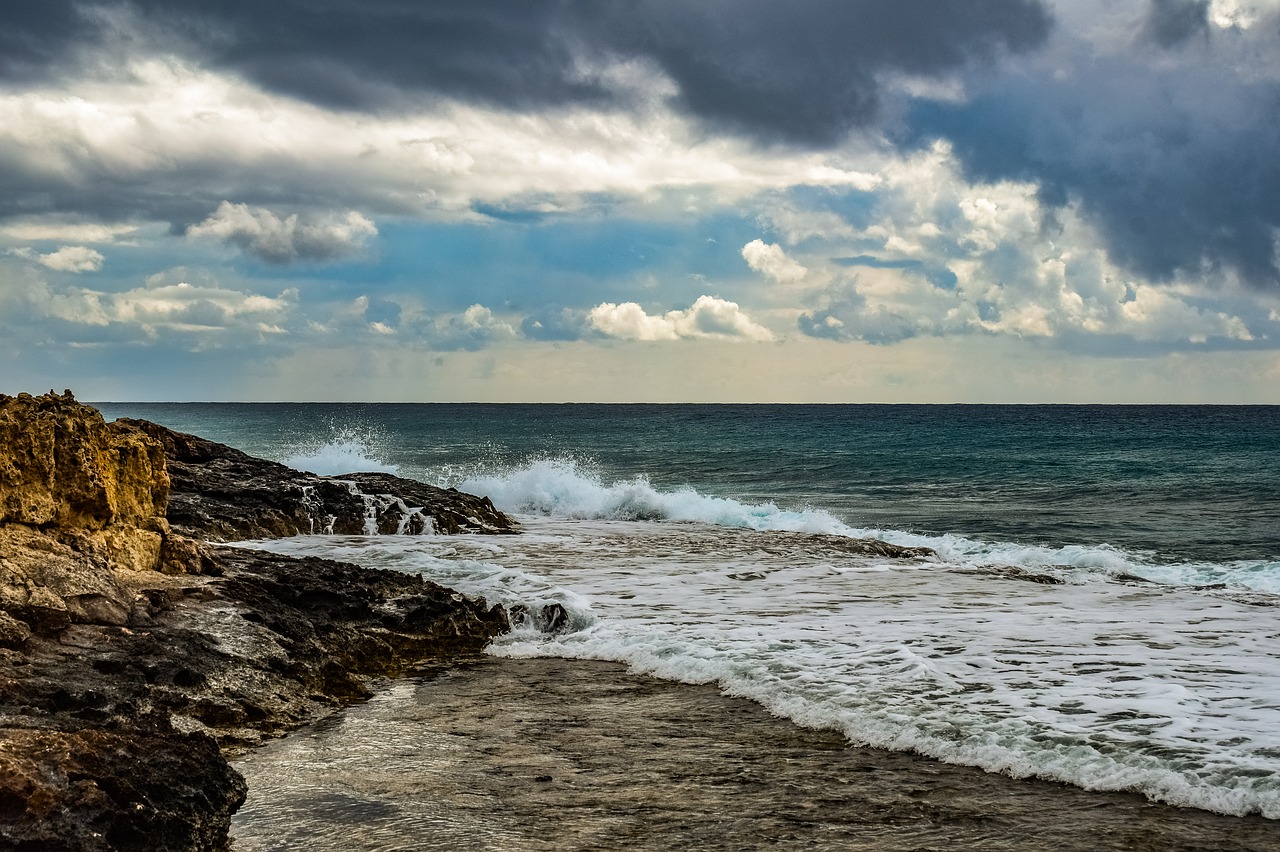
(13, 633)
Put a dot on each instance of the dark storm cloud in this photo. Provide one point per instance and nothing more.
(35, 39)
(363, 55)
(1179, 170)
(179, 200)
(808, 72)
(804, 72)
(1171, 22)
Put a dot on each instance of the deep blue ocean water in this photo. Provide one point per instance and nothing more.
(1180, 482)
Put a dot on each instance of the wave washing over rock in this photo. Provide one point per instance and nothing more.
(133, 654)
(1073, 663)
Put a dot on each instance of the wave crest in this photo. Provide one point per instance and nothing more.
(561, 487)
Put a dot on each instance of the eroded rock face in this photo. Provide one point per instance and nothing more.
(62, 465)
(81, 501)
(219, 493)
(93, 790)
(109, 736)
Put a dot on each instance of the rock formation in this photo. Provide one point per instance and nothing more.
(81, 503)
(132, 654)
(219, 493)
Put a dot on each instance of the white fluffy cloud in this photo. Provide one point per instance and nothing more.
(942, 256)
(281, 240)
(770, 260)
(473, 329)
(60, 229)
(708, 317)
(73, 259)
(198, 315)
(66, 259)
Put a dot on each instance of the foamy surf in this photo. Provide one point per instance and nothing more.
(562, 488)
(1162, 690)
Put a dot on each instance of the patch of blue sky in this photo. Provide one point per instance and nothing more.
(524, 265)
(856, 207)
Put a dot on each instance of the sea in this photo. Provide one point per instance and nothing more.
(1101, 606)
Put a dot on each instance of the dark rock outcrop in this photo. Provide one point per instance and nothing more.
(98, 789)
(109, 737)
(854, 546)
(131, 656)
(219, 493)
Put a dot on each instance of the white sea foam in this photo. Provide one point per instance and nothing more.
(1169, 691)
(346, 452)
(561, 488)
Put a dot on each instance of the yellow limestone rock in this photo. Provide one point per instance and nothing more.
(80, 501)
(62, 465)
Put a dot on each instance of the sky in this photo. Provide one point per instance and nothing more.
(653, 201)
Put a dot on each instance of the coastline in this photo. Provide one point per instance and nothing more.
(137, 658)
(135, 655)
(550, 754)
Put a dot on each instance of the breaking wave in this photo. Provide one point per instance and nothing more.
(560, 487)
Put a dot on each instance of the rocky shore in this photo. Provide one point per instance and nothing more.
(134, 656)
(139, 653)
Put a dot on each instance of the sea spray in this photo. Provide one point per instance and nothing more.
(349, 450)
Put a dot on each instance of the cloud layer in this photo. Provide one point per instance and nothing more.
(1095, 177)
(805, 73)
(1170, 151)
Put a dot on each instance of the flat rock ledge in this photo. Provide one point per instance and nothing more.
(134, 656)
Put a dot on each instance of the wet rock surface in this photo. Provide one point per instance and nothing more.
(216, 661)
(219, 493)
(551, 754)
(779, 541)
(94, 789)
(133, 657)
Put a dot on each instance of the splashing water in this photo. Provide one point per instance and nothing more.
(347, 451)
